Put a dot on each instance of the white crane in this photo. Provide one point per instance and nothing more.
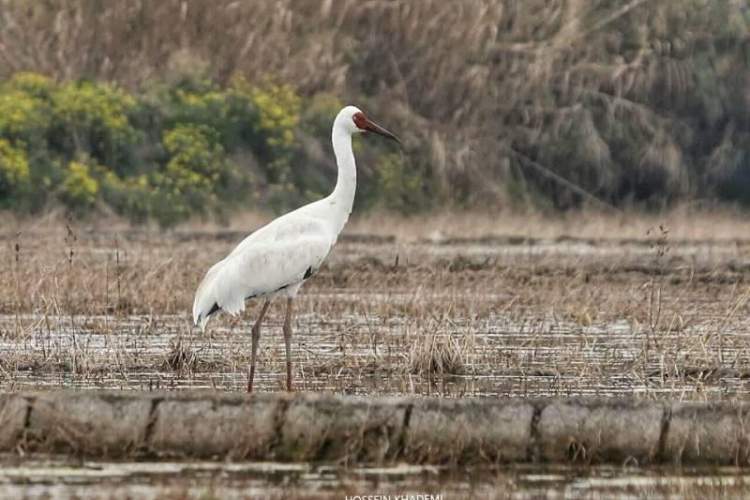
(277, 258)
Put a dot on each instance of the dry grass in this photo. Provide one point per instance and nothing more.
(439, 355)
(684, 223)
(516, 310)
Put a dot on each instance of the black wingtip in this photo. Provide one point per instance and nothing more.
(214, 308)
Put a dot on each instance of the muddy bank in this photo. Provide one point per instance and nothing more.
(377, 430)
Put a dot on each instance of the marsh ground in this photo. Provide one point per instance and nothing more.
(452, 306)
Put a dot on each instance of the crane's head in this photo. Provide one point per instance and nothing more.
(354, 121)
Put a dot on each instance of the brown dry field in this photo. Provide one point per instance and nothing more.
(452, 305)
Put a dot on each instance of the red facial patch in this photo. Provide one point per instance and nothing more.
(360, 121)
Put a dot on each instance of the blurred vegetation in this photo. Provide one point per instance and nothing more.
(166, 153)
(151, 110)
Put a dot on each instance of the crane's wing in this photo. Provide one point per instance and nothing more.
(264, 265)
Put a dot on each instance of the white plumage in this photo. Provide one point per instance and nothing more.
(277, 258)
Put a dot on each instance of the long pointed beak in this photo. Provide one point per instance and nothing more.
(374, 127)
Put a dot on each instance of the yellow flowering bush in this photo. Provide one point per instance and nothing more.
(14, 173)
(196, 157)
(21, 114)
(174, 150)
(88, 104)
(33, 84)
(206, 108)
(79, 188)
(192, 175)
(279, 113)
(93, 119)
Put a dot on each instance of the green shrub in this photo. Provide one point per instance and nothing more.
(93, 119)
(132, 197)
(278, 108)
(229, 111)
(400, 187)
(33, 84)
(22, 116)
(196, 155)
(79, 189)
(208, 108)
(192, 176)
(178, 150)
(14, 175)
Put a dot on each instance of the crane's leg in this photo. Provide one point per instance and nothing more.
(288, 342)
(255, 339)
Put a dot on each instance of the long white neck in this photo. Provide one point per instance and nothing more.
(342, 198)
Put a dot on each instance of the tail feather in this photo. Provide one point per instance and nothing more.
(205, 303)
(201, 322)
(201, 315)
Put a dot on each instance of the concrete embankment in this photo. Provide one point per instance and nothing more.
(320, 427)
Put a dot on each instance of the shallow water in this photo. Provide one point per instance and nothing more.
(58, 477)
(500, 356)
